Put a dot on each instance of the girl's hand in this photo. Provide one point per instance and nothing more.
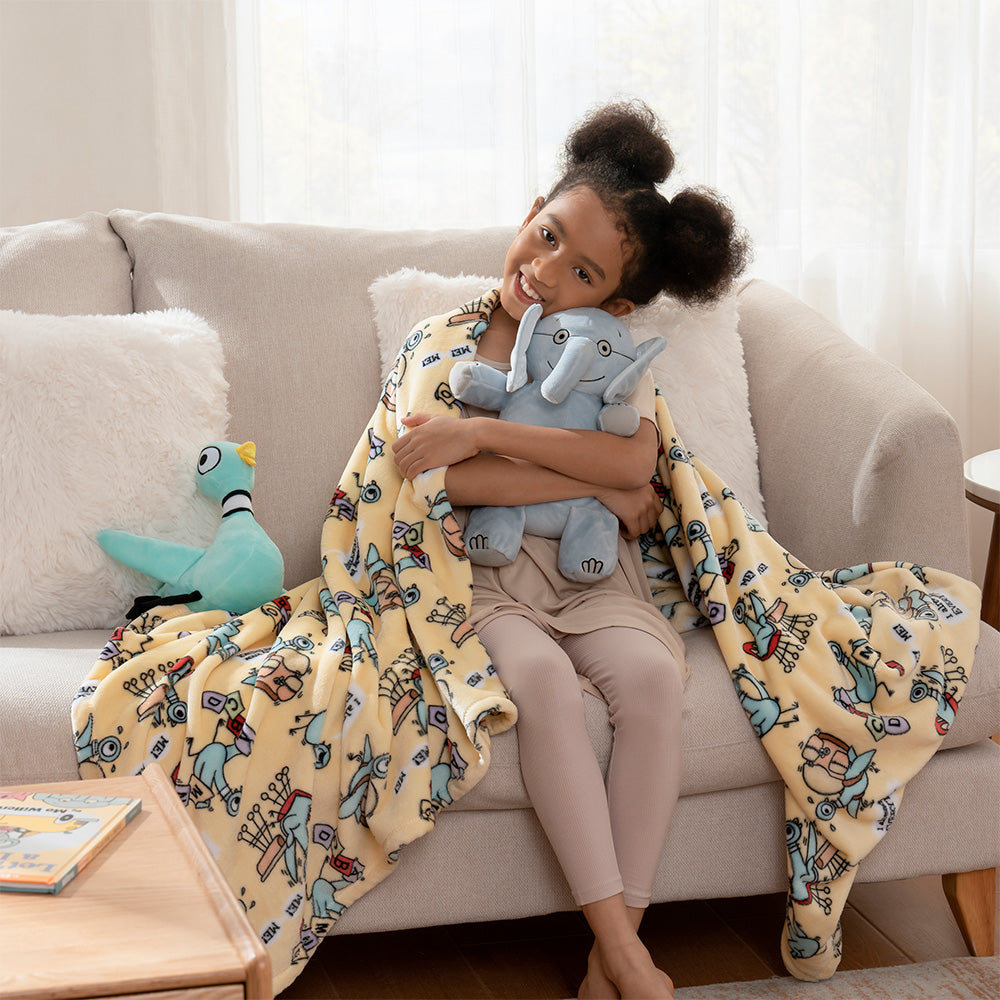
(638, 510)
(433, 441)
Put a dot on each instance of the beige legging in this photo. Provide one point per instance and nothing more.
(607, 841)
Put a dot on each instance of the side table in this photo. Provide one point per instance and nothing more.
(150, 916)
(982, 487)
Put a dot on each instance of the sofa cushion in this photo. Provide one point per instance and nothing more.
(39, 675)
(102, 420)
(72, 266)
(700, 373)
(265, 287)
(721, 750)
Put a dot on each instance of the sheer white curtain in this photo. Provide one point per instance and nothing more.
(858, 140)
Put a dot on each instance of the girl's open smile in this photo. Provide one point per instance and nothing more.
(528, 293)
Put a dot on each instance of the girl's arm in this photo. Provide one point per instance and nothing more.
(604, 459)
(495, 480)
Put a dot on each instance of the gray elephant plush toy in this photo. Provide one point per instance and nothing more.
(583, 365)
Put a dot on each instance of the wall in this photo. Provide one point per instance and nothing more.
(114, 104)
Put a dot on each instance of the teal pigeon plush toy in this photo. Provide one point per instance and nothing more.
(241, 569)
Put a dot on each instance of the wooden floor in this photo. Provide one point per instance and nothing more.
(701, 942)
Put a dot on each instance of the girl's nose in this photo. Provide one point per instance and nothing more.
(542, 269)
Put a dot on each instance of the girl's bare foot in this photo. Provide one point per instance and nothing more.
(597, 985)
(632, 972)
(619, 960)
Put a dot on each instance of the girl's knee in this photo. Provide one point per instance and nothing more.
(553, 691)
(541, 680)
(529, 662)
(652, 691)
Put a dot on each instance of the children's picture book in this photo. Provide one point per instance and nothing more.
(46, 838)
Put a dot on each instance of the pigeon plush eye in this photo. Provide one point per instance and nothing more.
(604, 348)
(208, 459)
(561, 336)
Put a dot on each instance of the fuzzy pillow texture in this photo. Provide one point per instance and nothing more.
(102, 419)
(700, 372)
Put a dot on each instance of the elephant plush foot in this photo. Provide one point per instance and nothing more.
(493, 535)
(588, 550)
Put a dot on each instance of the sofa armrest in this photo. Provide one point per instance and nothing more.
(857, 462)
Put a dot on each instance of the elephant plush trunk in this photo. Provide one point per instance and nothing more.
(570, 368)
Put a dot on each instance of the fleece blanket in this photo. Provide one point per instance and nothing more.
(314, 737)
(850, 677)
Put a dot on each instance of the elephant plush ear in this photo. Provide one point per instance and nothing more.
(622, 386)
(518, 374)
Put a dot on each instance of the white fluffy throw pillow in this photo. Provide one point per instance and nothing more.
(700, 373)
(102, 419)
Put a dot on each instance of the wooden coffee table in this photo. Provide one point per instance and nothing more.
(150, 916)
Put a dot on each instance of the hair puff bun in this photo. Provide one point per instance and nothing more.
(626, 136)
(703, 248)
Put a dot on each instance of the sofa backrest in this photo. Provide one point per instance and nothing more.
(69, 267)
(291, 305)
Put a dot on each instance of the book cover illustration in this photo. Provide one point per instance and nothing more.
(47, 837)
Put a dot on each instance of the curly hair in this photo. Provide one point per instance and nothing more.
(690, 246)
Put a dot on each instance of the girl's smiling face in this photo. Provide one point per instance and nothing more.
(568, 254)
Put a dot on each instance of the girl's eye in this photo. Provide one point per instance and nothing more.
(548, 236)
(582, 275)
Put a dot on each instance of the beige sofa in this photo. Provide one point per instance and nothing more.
(857, 463)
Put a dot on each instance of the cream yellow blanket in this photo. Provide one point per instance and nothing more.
(313, 738)
(850, 677)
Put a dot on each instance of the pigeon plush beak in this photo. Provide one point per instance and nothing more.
(248, 452)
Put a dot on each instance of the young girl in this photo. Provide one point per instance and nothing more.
(606, 237)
